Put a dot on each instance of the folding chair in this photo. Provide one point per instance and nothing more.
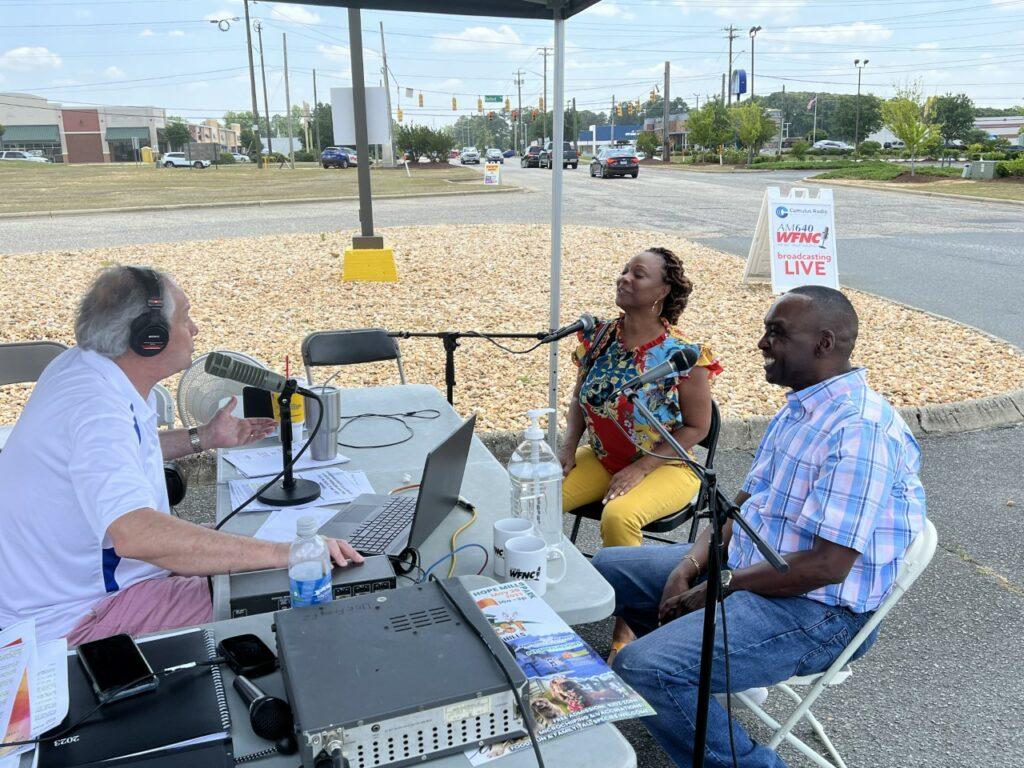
(916, 559)
(350, 347)
(164, 406)
(671, 521)
(22, 363)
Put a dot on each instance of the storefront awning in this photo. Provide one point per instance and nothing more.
(113, 134)
(31, 133)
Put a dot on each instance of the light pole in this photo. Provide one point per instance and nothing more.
(856, 122)
(753, 34)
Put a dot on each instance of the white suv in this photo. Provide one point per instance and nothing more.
(17, 154)
(180, 160)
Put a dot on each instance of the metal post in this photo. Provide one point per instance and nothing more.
(612, 137)
(316, 117)
(263, 76)
(520, 146)
(856, 129)
(732, 36)
(288, 104)
(355, 42)
(545, 52)
(753, 34)
(252, 78)
(556, 219)
(814, 125)
(666, 151)
(389, 150)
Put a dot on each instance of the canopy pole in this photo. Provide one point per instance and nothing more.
(355, 40)
(557, 137)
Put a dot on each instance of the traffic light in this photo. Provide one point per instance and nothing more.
(653, 95)
(421, 99)
(399, 114)
(533, 114)
(455, 104)
(618, 110)
(542, 102)
(491, 115)
(479, 104)
(515, 114)
(508, 104)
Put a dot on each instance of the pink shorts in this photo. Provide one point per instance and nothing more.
(152, 605)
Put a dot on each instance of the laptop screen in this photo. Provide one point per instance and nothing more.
(441, 481)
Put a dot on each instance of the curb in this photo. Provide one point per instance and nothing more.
(245, 203)
(923, 192)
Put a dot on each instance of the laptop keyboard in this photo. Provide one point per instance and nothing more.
(377, 533)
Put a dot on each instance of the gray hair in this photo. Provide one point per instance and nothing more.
(106, 311)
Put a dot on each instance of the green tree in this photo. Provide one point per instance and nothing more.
(648, 143)
(2, 132)
(752, 126)
(250, 140)
(904, 115)
(177, 134)
(322, 121)
(954, 114)
(710, 127)
(420, 140)
(843, 123)
(656, 108)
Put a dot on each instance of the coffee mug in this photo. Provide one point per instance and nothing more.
(526, 559)
(505, 529)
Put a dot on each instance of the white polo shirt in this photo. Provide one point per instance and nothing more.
(84, 452)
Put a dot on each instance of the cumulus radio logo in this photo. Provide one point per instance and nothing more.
(782, 211)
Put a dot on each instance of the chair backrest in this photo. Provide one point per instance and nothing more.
(710, 441)
(164, 406)
(350, 347)
(24, 361)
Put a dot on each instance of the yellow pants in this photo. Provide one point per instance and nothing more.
(665, 490)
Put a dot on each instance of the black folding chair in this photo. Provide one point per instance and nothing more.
(350, 347)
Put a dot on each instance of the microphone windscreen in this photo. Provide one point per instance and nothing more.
(684, 359)
(271, 718)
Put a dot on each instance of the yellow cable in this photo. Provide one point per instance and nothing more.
(455, 536)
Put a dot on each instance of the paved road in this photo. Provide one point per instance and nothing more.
(960, 259)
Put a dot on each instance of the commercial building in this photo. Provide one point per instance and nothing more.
(1001, 127)
(678, 132)
(597, 136)
(212, 132)
(32, 123)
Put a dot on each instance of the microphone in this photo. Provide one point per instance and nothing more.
(586, 323)
(270, 717)
(226, 367)
(680, 361)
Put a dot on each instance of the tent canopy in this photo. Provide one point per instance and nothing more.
(521, 9)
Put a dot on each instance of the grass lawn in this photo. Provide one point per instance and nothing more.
(889, 171)
(929, 179)
(26, 187)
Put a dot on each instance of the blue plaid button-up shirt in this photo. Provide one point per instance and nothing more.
(836, 462)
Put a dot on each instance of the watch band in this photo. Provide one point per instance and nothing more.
(193, 438)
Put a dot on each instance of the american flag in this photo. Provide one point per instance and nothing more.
(810, 104)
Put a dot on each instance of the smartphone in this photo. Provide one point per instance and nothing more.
(116, 668)
(247, 655)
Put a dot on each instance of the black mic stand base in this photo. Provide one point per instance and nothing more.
(301, 492)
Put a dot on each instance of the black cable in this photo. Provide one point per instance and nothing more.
(399, 417)
(728, 682)
(279, 475)
(403, 566)
(502, 347)
(527, 712)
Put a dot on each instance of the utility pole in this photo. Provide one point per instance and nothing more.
(723, 87)
(753, 34)
(252, 82)
(814, 128)
(545, 52)
(666, 143)
(389, 150)
(732, 36)
(520, 146)
(856, 125)
(575, 125)
(696, 97)
(263, 76)
(316, 121)
(612, 137)
(288, 103)
(782, 122)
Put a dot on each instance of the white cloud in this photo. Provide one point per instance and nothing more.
(476, 39)
(1007, 5)
(199, 85)
(83, 13)
(114, 73)
(296, 14)
(448, 85)
(611, 11)
(765, 11)
(175, 33)
(927, 46)
(340, 53)
(27, 58)
(858, 32)
(147, 33)
(220, 16)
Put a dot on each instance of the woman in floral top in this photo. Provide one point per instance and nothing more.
(636, 488)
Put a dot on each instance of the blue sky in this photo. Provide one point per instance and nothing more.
(167, 53)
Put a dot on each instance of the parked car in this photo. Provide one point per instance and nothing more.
(453, 155)
(895, 144)
(1013, 149)
(569, 155)
(240, 158)
(469, 155)
(509, 153)
(532, 157)
(17, 154)
(338, 157)
(181, 160)
(614, 161)
(828, 144)
(494, 156)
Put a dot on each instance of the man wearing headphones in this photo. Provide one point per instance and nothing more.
(89, 548)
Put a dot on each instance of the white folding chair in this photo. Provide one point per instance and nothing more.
(164, 406)
(916, 559)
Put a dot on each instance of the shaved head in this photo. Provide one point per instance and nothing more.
(833, 312)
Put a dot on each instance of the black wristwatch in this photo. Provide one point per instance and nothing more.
(726, 581)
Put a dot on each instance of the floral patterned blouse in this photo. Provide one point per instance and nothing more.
(616, 364)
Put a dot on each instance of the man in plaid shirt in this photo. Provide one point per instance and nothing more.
(834, 488)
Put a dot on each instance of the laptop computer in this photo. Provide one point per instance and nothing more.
(376, 524)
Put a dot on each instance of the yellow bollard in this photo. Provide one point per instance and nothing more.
(369, 264)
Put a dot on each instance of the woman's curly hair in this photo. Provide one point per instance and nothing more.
(679, 284)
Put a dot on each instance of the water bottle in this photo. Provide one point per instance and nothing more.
(309, 566)
(536, 475)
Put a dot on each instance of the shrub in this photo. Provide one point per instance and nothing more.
(304, 156)
(799, 149)
(1011, 167)
(817, 135)
(226, 158)
(870, 148)
(734, 156)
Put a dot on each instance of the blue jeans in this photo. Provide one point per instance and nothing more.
(770, 640)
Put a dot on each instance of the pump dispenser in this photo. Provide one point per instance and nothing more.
(536, 475)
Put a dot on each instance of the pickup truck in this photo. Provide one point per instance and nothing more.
(569, 155)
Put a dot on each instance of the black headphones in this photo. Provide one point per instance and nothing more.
(149, 331)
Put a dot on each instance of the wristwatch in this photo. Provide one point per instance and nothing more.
(726, 581)
(193, 438)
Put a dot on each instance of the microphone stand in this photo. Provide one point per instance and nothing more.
(289, 491)
(720, 510)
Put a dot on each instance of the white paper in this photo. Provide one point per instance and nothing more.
(336, 487)
(50, 700)
(11, 761)
(280, 526)
(17, 649)
(266, 461)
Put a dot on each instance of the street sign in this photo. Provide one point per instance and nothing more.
(794, 241)
(739, 81)
(492, 99)
(492, 173)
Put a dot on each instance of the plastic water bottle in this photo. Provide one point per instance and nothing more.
(309, 566)
(536, 475)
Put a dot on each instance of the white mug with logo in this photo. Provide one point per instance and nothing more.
(505, 529)
(526, 559)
